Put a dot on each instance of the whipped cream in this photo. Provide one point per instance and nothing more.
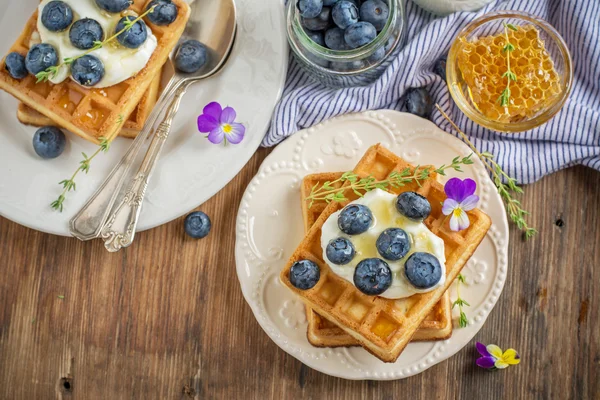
(382, 205)
(120, 63)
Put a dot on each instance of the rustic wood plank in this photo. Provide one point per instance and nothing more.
(166, 319)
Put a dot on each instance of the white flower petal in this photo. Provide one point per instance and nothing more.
(449, 206)
(463, 220)
(469, 203)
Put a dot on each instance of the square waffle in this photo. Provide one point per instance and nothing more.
(384, 326)
(93, 113)
(324, 333)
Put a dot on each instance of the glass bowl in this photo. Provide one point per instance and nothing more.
(347, 68)
(537, 103)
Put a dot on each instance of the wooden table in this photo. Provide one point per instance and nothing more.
(166, 318)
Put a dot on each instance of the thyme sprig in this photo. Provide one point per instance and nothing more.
(513, 206)
(51, 72)
(510, 76)
(328, 192)
(460, 302)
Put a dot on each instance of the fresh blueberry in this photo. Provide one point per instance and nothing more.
(412, 205)
(423, 270)
(440, 68)
(372, 276)
(419, 102)
(40, 57)
(345, 13)
(355, 219)
(393, 244)
(114, 6)
(197, 225)
(377, 56)
(305, 274)
(390, 43)
(320, 22)
(310, 8)
(165, 12)
(87, 70)
(15, 65)
(340, 251)
(133, 37)
(334, 39)
(316, 36)
(376, 12)
(191, 56)
(346, 66)
(360, 34)
(49, 142)
(57, 16)
(85, 32)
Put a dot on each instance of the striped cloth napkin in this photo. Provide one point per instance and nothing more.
(572, 137)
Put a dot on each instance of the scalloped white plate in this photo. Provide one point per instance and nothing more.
(269, 227)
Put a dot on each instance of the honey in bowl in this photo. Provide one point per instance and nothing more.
(484, 64)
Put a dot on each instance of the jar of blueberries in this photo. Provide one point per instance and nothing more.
(344, 43)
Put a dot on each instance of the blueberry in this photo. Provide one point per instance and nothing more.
(345, 13)
(49, 142)
(165, 12)
(133, 37)
(191, 56)
(310, 8)
(340, 251)
(377, 56)
(316, 36)
(412, 205)
(114, 6)
(305, 274)
(440, 68)
(390, 43)
(57, 16)
(346, 66)
(15, 65)
(334, 39)
(85, 32)
(320, 22)
(360, 34)
(423, 270)
(372, 276)
(376, 12)
(40, 57)
(87, 70)
(393, 244)
(197, 225)
(355, 219)
(329, 3)
(419, 102)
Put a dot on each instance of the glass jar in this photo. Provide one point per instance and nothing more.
(347, 68)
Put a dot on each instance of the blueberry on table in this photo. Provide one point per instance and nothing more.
(197, 225)
(340, 251)
(304, 274)
(316, 36)
(355, 219)
(87, 70)
(419, 102)
(113, 6)
(49, 142)
(165, 12)
(440, 68)
(85, 32)
(134, 37)
(320, 22)
(423, 270)
(191, 56)
(57, 16)
(360, 34)
(15, 65)
(372, 276)
(41, 57)
(414, 206)
(345, 13)
(393, 244)
(334, 39)
(310, 8)
(376, 12)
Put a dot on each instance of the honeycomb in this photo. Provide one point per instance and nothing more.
(483, 62)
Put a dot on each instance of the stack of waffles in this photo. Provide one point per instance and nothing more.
(339, 314)
(95, 113)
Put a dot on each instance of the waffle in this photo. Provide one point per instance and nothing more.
(324, 333)
(384, 326)
(93, 113)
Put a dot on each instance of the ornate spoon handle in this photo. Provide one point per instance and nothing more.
(119, 230)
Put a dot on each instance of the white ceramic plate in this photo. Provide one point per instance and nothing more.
(269, 227)
(191, 169)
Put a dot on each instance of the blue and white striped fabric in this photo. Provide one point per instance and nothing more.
(571, 137)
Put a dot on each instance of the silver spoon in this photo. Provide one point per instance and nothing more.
(212, 23)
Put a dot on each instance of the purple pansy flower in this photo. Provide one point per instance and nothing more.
(492, 357)
(220, 124)
(461, 198)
